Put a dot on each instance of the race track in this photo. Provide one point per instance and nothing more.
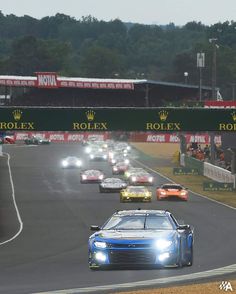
(49, 249)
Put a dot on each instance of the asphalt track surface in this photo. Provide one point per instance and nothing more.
(50, 252)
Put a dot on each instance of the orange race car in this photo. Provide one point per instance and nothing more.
(172, 191)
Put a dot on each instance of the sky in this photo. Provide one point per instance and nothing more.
(159, 12)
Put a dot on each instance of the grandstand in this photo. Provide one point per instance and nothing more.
(49, 89)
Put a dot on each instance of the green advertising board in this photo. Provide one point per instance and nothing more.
(185, 171)
(116, 119)
(215, 186)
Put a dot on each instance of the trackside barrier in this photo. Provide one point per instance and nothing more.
(208, 170)
(218, 174)
(193, 163)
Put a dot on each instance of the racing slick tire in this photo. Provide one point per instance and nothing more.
(121, 199)
(102, 190)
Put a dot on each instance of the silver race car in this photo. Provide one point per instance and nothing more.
(112, 185)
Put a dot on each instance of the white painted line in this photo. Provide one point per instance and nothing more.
(15, 204)
(199, 275)
(197, 194)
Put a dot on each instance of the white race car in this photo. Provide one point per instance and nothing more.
(71, 162)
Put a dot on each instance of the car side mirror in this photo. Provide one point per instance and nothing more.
(184, 227)
(95, 228)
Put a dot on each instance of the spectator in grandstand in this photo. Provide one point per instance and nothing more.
(206, 151)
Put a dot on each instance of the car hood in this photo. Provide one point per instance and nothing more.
(135, 234)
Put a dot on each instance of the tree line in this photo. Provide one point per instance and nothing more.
(97, 49)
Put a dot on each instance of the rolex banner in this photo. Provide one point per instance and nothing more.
(117, 119)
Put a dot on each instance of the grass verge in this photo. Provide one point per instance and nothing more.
(205, 288)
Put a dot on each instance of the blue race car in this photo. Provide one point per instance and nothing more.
(133, 238)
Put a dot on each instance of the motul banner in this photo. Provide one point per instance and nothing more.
(220, 104)
(134, 137)
(172, 138)
(51, 80)
(60, 136)
(46, 80)
(17, 82)
(96, 85)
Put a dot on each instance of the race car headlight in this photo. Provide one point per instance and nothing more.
(87, 149)
(163, 244)
(147, 193)
(183, 193)
(126, 193)
(84, 177)
(133, 179)
(100, 256)
(163, 193)
(150, 179)
(100, 177)
(100, 244)
(126, 161)
(115, 168)
(78, 163)
(163, 256)
(64, 163)
(113, 161)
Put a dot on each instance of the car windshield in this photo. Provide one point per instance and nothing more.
(174, 187)
(136, 189)
(138, 222)
(92, 172)
(112, 180)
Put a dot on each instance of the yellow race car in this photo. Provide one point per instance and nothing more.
(135, 193)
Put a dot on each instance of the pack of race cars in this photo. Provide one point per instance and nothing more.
(131, 182)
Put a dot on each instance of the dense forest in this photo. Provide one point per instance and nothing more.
(92, 48)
